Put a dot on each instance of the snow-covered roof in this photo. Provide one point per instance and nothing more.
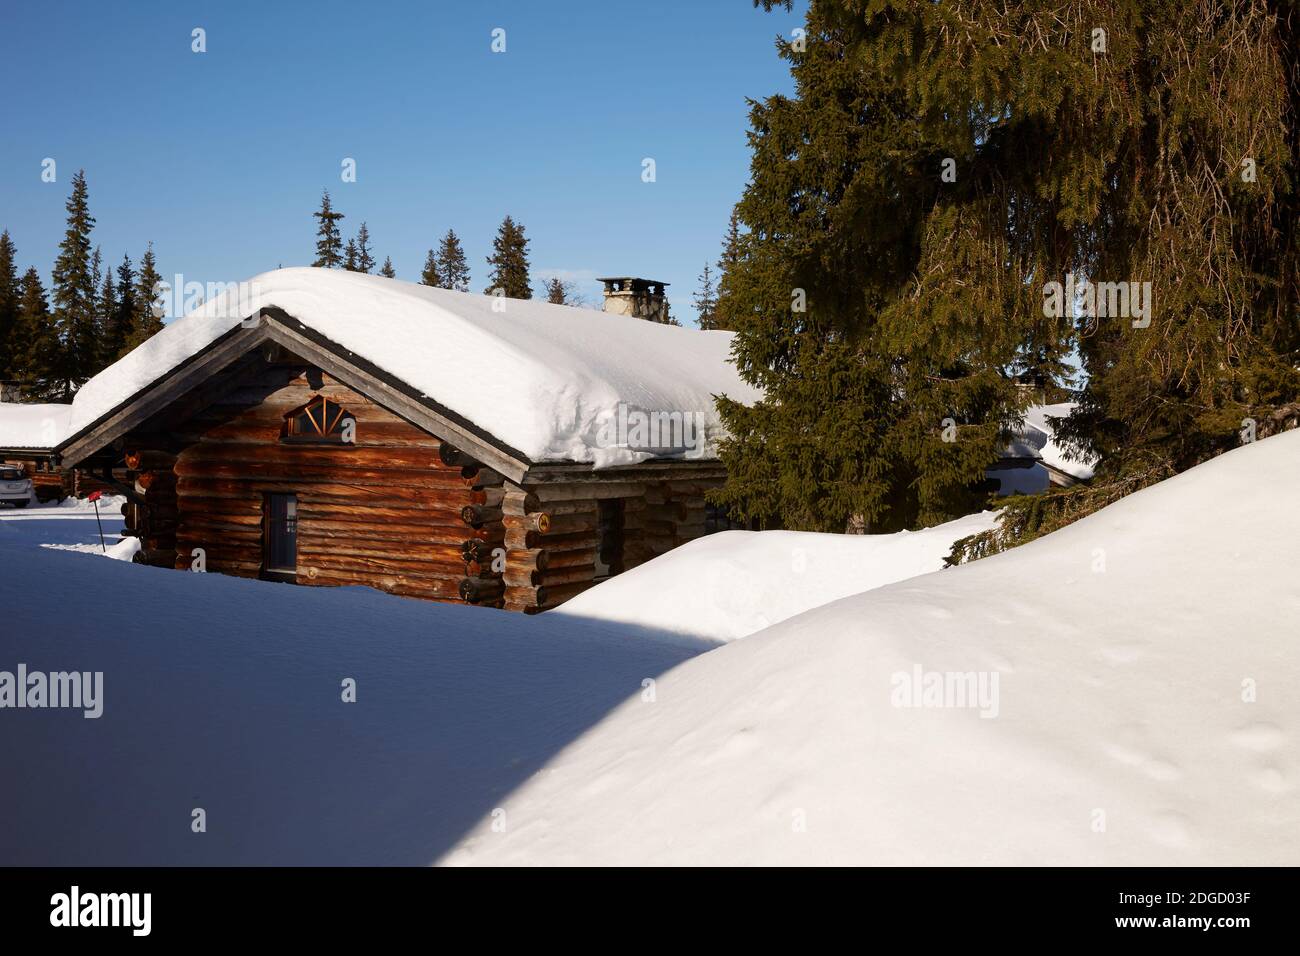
(1040, 431)
(550, 381)
(38, 427)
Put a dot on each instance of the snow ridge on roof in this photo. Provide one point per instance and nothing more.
(552, 381)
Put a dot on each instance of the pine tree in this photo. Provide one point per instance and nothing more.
(429, 275)
(74, 296)
(350, 257)
(453, 267)
(556, 293)
(34, 341)
(329, 242)
(147, 320)
(10, 295)
(387, 270)
(365, 260)
(706, 299)
(508, 262)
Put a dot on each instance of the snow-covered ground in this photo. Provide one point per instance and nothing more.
(64, 525)
(1132, 684)
(225, 695)
(728, 585)
(1132, 700)
(77, 529)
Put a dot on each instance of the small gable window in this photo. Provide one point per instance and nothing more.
(320, 421)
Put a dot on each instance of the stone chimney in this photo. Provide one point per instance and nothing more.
(639, 298)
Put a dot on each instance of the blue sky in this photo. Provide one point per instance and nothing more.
(220, 157)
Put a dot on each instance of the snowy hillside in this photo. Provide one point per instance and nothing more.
(1130, 700)
(728, 585)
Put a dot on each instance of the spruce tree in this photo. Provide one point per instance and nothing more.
(939, 166)
(365, 260)
(350, 257)
(556, 294)
(429, 275)
(1202, 200)
(10, 295)
(453, 267)
(509, 262)
(886, 396)
(74, 296)
(123, 319)
(146, 322)
(329, 242)
(387, 270)
(96, 272)
(706, 299)
(730, 245)
(34, 341)
(105, 317)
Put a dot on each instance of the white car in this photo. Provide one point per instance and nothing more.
(15, 488)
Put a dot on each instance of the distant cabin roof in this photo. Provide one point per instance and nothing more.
(32, 427)
(551, 381)
(1036, 440)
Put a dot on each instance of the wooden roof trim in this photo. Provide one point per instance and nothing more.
(549, 472)
(160, 393)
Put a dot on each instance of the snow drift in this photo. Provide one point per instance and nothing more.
(225, 694)
(548, 380)
(728, 585)
(1142, 664)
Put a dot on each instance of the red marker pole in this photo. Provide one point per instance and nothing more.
(94, 497)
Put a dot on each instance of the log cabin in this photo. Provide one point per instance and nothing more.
(327, 428)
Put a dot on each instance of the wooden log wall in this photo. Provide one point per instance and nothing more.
(153, 518)
(554, 533)
(397, 510)
(385, 512)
